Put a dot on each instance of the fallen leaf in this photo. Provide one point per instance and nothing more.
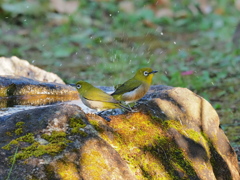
(127, 6)
(164, 12)
(186, 73)
(63, 6)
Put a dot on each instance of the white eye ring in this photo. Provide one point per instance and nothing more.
(78, 86)
(145, 73)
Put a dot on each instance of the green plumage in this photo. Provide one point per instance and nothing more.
(136, 87)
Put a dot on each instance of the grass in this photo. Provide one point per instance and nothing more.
(13, 162)
(104, 45)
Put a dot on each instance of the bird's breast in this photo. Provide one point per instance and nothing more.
(136, 94)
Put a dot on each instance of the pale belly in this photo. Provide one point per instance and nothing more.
(98, 105)
(136, 94)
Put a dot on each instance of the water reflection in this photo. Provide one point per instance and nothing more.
(35, 100)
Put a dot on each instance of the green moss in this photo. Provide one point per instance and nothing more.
(18, 131)
(55, 137)
(36, 150)
(76, 130)
(27, 138)
(96, 125)
(76, 124)
(8, 133)
(57, 143)
(20, 124)
(9, 145)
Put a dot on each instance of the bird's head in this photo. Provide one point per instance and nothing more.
(82, 86)
(145, 74)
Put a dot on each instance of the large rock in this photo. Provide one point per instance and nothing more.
(17, 67)
(173, 134)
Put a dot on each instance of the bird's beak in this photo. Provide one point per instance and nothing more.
(74, 85)
(153, 72)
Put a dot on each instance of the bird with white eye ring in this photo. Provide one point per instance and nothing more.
(96, 98)
(136, 87)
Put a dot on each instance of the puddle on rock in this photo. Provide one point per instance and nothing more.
(10, 105)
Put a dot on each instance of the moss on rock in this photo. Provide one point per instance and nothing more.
(77, 125)
(57, 143)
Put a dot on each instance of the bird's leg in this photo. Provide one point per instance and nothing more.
(103, 116)
(130, 105)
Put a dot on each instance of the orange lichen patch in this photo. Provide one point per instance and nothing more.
(67, 170)
(94, 165)
(137, 128)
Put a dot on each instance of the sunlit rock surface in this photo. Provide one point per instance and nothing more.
(17, 67)
(172, 134)
(17, 90)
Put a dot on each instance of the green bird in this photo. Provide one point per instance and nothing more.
(136, 87)
(96, 98)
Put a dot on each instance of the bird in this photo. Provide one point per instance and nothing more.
(96, 98)
(136, 87)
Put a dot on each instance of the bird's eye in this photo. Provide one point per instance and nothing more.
(78, 86)
(145, 73)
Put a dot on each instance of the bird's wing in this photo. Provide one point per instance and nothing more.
(128, 86)
(96, 94)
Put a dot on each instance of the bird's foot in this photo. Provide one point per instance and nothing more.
(103, 116)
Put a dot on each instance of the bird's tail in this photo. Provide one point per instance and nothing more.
(126, 108)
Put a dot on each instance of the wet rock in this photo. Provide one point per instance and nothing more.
(17, 90)
(172, 134)
(17, 67)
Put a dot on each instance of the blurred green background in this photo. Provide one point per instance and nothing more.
(193, 44)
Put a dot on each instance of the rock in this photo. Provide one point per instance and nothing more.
(173, 134)
(17, 67)
(17, 90)
(74, 151)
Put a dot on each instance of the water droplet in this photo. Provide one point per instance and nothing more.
(174, 42)
(33, 61)
(91, 37)
(161, 33)
(213, 83)
(76, 53)
(110, 15)
(118, 11)
(24, 20)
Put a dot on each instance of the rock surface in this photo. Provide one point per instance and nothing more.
(17, 67)
(174, 134)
